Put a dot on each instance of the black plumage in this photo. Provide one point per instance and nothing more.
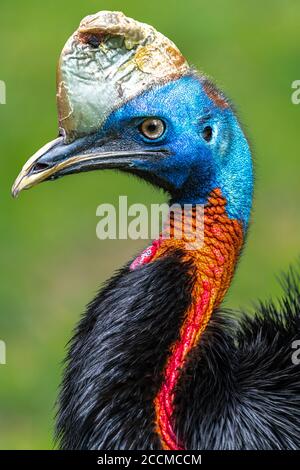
(241, 389)
(116, 358)
(238, 390)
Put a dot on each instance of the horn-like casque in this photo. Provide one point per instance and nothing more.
(107, 61)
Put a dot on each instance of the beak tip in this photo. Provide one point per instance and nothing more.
(15, 190)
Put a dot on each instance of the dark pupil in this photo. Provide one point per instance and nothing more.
(152, 128)
(207, 133)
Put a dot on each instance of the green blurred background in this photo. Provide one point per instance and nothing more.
(51, 261)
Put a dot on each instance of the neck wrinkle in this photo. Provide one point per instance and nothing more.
(213, 266)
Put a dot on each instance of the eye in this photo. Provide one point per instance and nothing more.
(152, 128)
(207, 133)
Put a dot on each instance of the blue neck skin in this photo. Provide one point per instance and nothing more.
(195, 166)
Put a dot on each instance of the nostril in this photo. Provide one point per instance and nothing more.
(37, 167)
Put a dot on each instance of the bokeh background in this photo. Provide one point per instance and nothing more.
(51, 261)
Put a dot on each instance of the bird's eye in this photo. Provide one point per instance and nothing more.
(207, 133)
(152, 128)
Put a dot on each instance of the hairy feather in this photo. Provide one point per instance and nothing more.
(239, 389)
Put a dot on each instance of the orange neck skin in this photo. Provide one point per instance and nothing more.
(212, 268)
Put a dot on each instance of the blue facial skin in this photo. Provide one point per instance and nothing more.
(194, 166)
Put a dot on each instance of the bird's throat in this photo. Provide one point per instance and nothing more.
(212, 267)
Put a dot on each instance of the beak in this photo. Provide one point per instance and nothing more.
(58, 158)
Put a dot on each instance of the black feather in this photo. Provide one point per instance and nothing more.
(238, 390)
(116, 359)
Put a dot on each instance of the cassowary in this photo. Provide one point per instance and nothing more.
(155, 362)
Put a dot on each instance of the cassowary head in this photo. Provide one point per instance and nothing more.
(127, 99)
